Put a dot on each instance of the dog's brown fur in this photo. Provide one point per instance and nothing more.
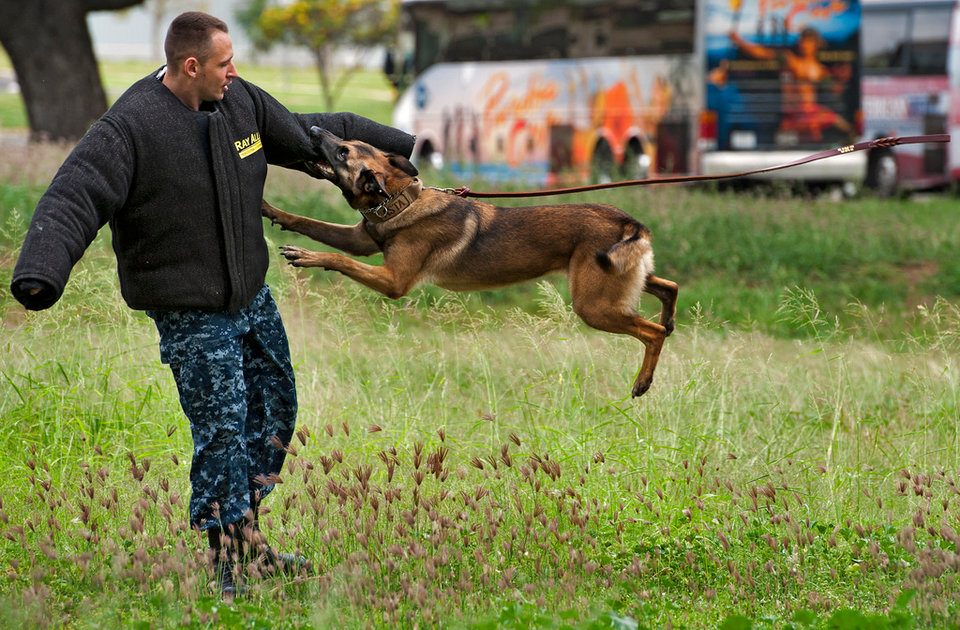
(464, 245)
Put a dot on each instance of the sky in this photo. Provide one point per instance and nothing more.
(129, 34)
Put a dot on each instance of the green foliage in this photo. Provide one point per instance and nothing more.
(12, 112)
(898, 618)
(321, 26)
(249, 17)
(474, 468)
(516, 616)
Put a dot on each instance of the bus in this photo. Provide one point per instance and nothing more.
(911, 80)
(557, 93)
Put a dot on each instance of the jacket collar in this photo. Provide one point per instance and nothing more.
(395, 204)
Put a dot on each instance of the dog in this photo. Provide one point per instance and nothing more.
(429, 235)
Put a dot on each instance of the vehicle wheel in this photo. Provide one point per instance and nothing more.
(636, 163)
(428, 159)
(602, 166)
(882, 174)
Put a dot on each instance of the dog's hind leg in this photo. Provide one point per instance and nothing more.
(603, 301)
(666, 292)
(650, 334)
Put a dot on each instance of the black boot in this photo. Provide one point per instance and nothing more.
(224, 548)
(256, 549)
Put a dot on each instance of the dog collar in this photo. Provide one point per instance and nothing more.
(394, 205)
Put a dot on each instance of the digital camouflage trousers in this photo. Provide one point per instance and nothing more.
(237, 388)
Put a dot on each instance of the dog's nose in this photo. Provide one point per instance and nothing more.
(320, 132)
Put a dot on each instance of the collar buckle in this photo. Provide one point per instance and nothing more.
(384, 211)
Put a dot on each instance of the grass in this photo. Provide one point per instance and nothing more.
(469, 467)
(475, 461)
(876, 267)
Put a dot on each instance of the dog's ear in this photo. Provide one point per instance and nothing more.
(372, 182)
(402, 163)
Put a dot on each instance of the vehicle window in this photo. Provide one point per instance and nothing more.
(884, 40)
(930, 31)
(905, 41)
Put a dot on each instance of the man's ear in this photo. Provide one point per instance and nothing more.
(191, 67)
(402, 163)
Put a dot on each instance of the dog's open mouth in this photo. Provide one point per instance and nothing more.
(321, 169)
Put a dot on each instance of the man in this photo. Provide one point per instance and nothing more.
(177, 168)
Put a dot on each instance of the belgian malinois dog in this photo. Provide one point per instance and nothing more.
(430, 235)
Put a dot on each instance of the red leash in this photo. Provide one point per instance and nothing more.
(879, 143)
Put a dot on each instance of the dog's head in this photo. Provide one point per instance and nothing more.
(364, 174)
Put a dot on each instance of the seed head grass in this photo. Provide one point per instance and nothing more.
(459, 466)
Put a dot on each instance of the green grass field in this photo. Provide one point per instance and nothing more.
(475, 460)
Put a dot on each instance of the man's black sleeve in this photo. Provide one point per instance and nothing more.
(89, 187)
(353, 127)
(287, 140)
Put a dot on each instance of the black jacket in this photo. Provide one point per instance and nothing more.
(181, 190)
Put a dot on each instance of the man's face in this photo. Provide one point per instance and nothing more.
(217, 71)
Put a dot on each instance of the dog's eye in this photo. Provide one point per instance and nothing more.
(342, 153)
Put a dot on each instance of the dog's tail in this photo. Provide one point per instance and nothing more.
(635, 248)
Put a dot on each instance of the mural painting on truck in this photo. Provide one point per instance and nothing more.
(613, 89)
(551, 92)
(543, 122)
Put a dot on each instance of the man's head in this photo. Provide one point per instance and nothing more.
(200, 55)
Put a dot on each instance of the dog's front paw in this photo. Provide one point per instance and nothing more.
(300, 257)
(297, 256)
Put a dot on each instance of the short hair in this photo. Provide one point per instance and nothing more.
(809, 32)
(189, 36)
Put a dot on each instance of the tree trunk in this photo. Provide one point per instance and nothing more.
(52, 54)
(321, 59)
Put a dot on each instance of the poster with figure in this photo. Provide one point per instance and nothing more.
(783, 74)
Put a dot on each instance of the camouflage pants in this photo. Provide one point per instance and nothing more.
(237, 388)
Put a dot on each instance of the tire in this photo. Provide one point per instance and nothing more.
(882, 174)
(429, 160)
(636, 164)
(602, 167)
